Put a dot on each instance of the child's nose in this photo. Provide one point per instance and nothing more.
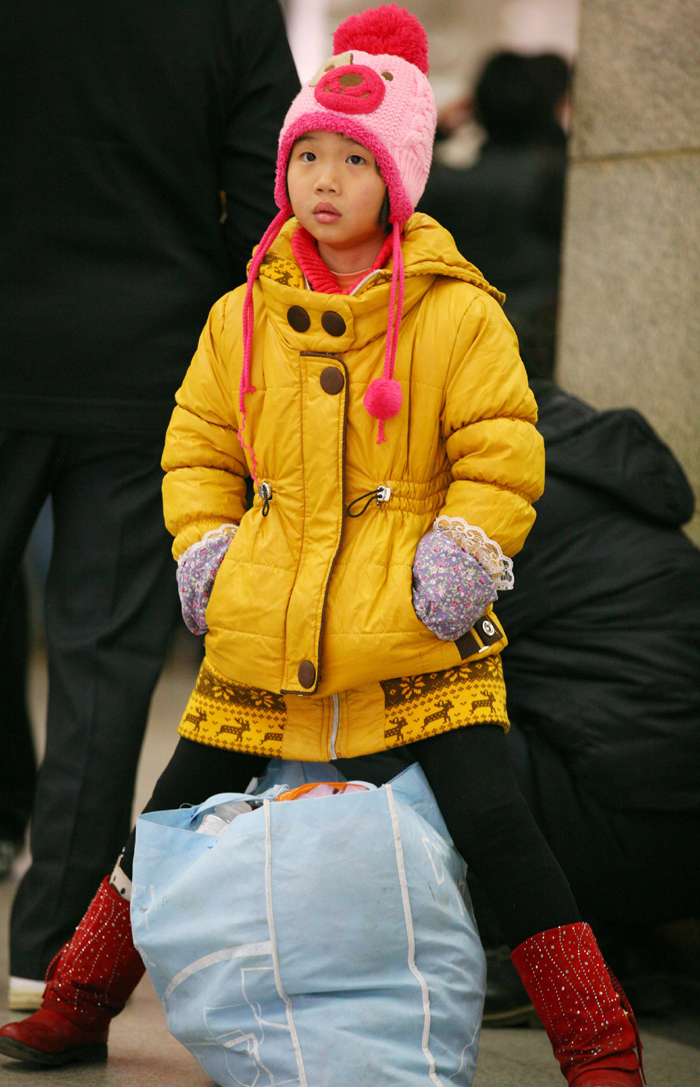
(327, 182)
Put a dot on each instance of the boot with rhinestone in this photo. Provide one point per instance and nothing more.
(87, 984)
(584, 1010)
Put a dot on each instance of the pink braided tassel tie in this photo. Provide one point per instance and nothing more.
(248, 320)
(384, 396)
(582, 1006)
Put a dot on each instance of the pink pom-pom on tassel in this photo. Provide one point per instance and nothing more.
(383, 398)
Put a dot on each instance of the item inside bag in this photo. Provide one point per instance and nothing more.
(221, 818)
(313, 789)
(216, 822)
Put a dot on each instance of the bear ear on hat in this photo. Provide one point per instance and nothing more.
(386, 29)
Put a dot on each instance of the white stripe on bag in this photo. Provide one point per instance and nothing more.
(240, 951)
(275, 957)
(411, 937)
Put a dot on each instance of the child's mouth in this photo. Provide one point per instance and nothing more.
(325, 213)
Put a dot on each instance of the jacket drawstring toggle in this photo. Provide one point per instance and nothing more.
(265, 492)
(381, 494)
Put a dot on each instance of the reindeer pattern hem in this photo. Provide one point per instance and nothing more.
(223, 713)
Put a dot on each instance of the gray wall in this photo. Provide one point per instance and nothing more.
(630, 317)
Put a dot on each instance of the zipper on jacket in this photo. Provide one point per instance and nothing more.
(336, 721)
(381, 494)
(265, 492)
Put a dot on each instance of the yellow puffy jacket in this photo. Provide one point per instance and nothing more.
(309, 600)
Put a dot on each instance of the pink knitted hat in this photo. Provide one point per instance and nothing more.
(375, 90)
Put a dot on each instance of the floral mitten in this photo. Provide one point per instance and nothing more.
(451, 590)
(197, 568)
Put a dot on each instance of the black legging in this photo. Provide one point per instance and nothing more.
(470, 774)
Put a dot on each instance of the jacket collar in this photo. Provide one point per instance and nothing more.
(428, 251)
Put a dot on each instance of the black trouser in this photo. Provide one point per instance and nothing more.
(111, 603)
(626, 867)
(471, 777)
(18, 760)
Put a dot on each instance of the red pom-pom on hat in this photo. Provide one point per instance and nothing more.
(387, 29)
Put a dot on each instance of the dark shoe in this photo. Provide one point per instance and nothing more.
(583, 1007)
(507, 1004)
(50, 1039)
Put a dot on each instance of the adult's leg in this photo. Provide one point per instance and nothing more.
(195, 772)
(111, 603)
(18, 764)
(28, 463)
(629, 867)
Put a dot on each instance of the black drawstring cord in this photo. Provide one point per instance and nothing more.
(382, 493)
(369, 496)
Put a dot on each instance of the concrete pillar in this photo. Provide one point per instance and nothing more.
(630, 317)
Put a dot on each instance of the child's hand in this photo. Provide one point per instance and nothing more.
(197, 568)
(450, 589)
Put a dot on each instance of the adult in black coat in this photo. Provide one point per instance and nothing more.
(123, 124)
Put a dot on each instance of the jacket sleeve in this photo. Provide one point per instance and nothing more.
(205, 466)
(496, 453)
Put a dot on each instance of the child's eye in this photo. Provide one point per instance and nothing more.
(307, 156)
(355, 160)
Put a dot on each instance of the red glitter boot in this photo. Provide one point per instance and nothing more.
(584, 1010)
(87, 984)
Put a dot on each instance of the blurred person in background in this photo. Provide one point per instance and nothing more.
(122, 126)
(505, 212)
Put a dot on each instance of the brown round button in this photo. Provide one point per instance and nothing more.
(332, 380)
(298, 318)
(307, 674)
(333, 323)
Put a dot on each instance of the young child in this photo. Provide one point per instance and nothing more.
(368, 381)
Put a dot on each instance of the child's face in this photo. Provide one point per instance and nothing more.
(335, 189)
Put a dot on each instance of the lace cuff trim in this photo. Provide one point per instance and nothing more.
(223, 532)
(486, 552)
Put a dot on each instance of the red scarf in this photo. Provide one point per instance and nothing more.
(316, 270)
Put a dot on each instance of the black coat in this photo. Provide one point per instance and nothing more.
(604, 619)
(121, 122)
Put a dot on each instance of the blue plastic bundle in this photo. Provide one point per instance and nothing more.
(321, 942)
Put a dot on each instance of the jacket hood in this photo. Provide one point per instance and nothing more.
(428, 249)
(616, 451)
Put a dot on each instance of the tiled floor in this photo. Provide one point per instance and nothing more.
(143, 1054)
